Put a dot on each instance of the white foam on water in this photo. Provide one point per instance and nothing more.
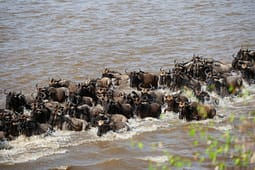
(25, 149)
(224, 128)
(157, 159)
(31, 148)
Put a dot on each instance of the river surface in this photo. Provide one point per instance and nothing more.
(76, 40)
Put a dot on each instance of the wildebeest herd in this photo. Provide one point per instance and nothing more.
(108, 102)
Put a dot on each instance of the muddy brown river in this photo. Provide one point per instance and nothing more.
(76, 40)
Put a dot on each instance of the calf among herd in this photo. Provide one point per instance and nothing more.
(108, 102)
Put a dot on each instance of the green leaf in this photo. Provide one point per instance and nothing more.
(213, 156)
(230, 89)
(222, 166)
(195, 143)
(151, 167)
(202, 159)
(202, 134)
(237, 161)
(140, 145)
(226, 148)
(192, 132)
(220, 150)
(179, 164)
(232, 118)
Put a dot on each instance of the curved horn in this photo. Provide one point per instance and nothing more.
(5, 91)
(244, 66)
(32, 95)
(207, 72)
(106, 70)
(37, 86)
(100, 90)
(42, 95)
(140, 87)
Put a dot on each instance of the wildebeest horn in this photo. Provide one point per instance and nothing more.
(244, 66)
(42, 95)
(207, 71)
(100, 90)
(5, 91)
(140, 87)
(15, 123)
(106, 70)
(37, 86)
(32, 95)
(59, 113)
(86, 82)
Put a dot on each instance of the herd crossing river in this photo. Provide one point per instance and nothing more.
(177, 55)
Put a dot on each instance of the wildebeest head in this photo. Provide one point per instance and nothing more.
(57, 118)
(15, 101)
(112, 107)
(29, 128)
(103, 123)
(41, 113)
(185, 111)
(134, 79)
(165, 78)
(132, 97)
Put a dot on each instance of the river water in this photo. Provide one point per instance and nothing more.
(76, 40)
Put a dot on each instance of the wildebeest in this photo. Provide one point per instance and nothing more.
(248, 71)
(95, 113)
(112, 107)
(82, 112)
(65, 122)
(59, 83)
(9, 123)
(32, 127)
(182, 79)
(143, 79)
(104, 82)
(111, 122)
(172, 102)
(58, 94)
(110, 73)
(16, 102)
(41, 113)
(88, 89)
(220, 67)
(165, 78)
(233, 84)
(146, 109)
(132, 97)
(149, 95)
(196, 111)
(202, 96)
